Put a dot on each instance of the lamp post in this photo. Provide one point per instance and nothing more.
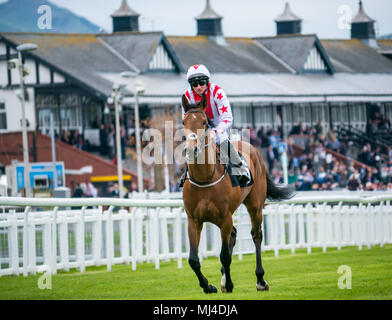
(139, 90)
(116, 96)
(24, 48)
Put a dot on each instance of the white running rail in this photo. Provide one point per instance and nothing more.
(37, 235)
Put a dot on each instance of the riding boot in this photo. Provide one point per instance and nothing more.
(239, 166)
(183, 178)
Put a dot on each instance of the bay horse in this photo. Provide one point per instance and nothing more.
(209, 196)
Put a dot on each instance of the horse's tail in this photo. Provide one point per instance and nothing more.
(276, 192)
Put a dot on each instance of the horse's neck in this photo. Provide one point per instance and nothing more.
(203, 171)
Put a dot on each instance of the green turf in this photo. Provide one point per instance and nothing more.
(291, 276)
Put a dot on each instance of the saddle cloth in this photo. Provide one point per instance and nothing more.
(235, 181)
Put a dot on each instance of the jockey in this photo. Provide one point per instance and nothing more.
(219, 112)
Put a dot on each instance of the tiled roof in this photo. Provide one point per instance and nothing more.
(237, 55)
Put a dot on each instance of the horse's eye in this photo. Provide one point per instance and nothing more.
(204, 123)
(183, 123)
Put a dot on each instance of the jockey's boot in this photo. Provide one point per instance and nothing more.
(239, 166)
(183, 178)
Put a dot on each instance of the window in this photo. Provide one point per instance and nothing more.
(242, 116)
(3, 116)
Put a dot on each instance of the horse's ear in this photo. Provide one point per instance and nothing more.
(185, 103)
(203, 102)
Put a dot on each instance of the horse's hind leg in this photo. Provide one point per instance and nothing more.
(257, 235)
(226, 251)
(232, 241)
(194, 231)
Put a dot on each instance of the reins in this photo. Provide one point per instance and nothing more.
(204, 184)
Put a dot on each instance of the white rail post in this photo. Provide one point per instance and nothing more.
(25, 241)
(309, 226)
(133, 237)
(178, 238)
(366, 217)
(13, 243)
(53, 266)
(47, 241)
(80, 247)
(276, 228)
(97, 237)
(389, 221)
(239, 233)
(382, 222)
(32, 246)
(64, 247)
(124, 235)
(109, 239)
(338, 226)
(358, 219)
(155, 218)
(292, 227)
(301, 227)
(324, 227)
(164, 234)
(282, 228)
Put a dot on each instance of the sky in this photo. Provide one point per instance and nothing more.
(241, 18)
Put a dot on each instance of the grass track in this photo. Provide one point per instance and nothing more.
(298, 276)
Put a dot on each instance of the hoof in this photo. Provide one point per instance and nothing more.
(210, 289)
(225, 289)
(261, 287)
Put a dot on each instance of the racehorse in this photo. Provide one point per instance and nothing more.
(209, 196)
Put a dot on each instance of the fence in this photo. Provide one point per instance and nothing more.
(37, 235)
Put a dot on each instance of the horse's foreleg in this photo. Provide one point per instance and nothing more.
(194, 231)
(228, 233)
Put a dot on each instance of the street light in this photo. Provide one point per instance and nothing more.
(115, 98)
(22, 72)
(139, 90)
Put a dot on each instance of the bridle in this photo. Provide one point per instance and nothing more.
(198, 150)
(193, 136)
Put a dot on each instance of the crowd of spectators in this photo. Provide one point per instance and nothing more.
(326, 163)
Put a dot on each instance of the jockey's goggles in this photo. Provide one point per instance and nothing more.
(194, 82)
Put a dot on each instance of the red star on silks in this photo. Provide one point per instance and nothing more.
(220, 96)
(223, 109)
(226, 121)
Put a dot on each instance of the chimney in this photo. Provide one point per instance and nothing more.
(362, 27)
(125, 19)
(288, 22)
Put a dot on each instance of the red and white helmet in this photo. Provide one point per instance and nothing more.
(197, 70)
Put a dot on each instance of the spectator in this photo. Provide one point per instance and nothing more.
(263, 137)
(271, 158)
(297, 130)
(78, 192)
(103, 140)
(353, 183)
